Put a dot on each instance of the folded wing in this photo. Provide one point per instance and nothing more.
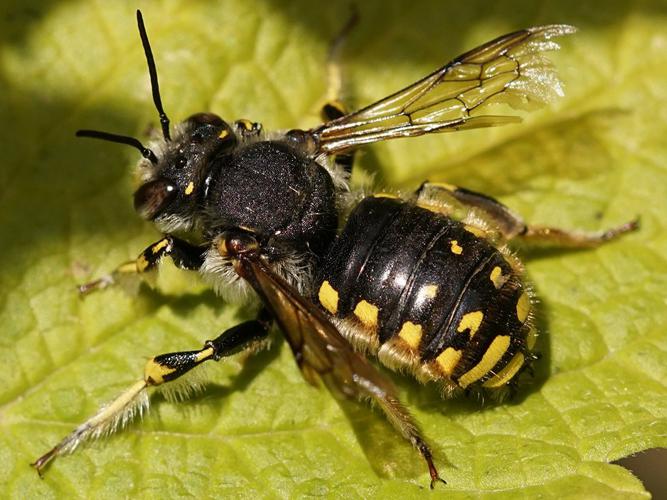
(511, 69)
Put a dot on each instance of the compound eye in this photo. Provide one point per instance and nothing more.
(153, 197)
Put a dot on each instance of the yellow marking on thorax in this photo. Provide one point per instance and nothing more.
(480, 233)
(154, 372)
(189, 189)
(522, 307)
(448, 359)
(367, 313)
(471, 321)
(223, 134)
(492, 355)
(411, 333)
(159, 245)
(497, 277)
(328, 297)
(386, 195)
(506, 374)
(456, 248)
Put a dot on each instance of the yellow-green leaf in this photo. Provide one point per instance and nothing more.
(593, 160)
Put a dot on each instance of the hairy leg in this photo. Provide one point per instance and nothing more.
(159, 370)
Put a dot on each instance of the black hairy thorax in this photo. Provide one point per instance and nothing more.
(274, 191)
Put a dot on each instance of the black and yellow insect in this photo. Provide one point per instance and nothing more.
(425, 283)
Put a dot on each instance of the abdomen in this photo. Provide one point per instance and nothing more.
(428, 294)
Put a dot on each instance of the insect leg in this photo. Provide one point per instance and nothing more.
(540, 235)
(509, 225)
(334, 107)
(399, 417)
(158, 370)
(247, 129)
(185, 256)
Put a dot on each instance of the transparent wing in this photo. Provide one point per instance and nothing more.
(511, 69)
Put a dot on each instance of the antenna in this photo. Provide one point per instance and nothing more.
(152, 71)
(121, 139)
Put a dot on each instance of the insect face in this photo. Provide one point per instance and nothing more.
(174, 185)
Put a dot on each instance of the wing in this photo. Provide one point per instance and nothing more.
(320, 350)
(508, 70)
(323, 353)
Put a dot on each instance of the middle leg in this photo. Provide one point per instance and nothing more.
(183, 254)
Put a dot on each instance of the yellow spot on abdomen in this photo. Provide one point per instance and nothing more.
(411, 333)
(429, 291)
(523, 307)
(448, 359)
(456, 248)
(471, 321)
(328, 297)
(492, 355)
(367, 314)
(189, 189)
(497, 277)
(506, 374)
(480, 233)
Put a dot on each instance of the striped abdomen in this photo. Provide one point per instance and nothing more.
(426, 293)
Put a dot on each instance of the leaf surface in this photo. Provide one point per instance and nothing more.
(593, 160)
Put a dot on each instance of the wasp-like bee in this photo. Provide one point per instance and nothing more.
(425, 283)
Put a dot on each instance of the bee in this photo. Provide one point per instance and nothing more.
(425, 283)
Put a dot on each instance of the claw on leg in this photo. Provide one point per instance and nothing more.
(106, 281)
(428, 456)
(118, 413)
(157, 371)
(98, 284)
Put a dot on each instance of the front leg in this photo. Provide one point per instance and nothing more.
(183, 254)
(159, 370)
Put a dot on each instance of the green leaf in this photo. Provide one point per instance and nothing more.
(596, 159)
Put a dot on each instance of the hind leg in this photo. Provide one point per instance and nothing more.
(505, 225)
